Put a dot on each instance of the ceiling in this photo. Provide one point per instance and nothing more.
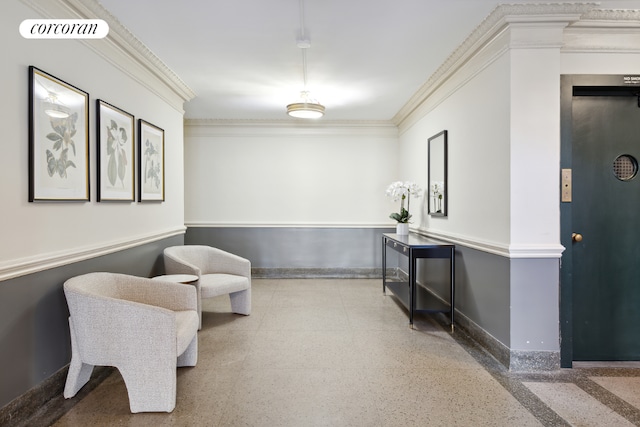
(367, 57)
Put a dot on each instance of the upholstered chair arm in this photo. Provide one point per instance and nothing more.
(168, 295)
(219, 261)
(173, 265)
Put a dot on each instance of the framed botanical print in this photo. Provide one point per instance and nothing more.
(116, 152)
(58, 139)
(150, 162)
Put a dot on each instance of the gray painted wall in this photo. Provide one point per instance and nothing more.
(535, 302)
(482, 288)
(296, 247)
(34, 330)
(482, 279)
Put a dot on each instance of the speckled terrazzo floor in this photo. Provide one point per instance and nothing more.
(340, 353)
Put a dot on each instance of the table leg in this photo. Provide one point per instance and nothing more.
(453, 286)
(412, 286)
(384, 265)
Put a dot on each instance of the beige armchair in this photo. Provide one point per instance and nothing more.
(142, 327)
(219, 273)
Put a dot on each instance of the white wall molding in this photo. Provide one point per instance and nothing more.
(484, 58)
(285, 123)
(536, 35)
(213, 224)
(24, 266)
(508, 251)
(609, 31)
(612, 17)
(467, 241)
(121, 49)
(280, 128)
(536, 251)
(502, 17)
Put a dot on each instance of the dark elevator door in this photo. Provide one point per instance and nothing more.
(606, 215)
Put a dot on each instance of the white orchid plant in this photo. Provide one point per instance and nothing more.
(437, 191)
(403, 191)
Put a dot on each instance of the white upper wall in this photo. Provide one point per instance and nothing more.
(289, 175)
(478, 157)
(44, 234)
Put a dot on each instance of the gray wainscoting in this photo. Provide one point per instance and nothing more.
(482, 296)
(490, 300)
(484, 281)
(34, 330)
(299, 251)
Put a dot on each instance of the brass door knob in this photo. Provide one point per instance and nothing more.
(576, 237)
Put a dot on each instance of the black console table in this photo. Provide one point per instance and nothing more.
(415, 297)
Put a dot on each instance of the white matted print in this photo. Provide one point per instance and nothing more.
(58, 139)
(116, 165)
(151, 162)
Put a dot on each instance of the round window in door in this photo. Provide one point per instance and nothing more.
(625, 167)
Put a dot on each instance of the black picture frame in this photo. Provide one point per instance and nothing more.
(115, 160)
(58, 139)
(437, 185)
(150, 162)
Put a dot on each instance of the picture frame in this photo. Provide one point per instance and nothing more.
(116, 153)
(437, 185)
(150, 162)
(58, 139)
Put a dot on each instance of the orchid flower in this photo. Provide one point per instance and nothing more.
(400, 191)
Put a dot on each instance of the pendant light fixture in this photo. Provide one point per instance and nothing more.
(306, 107)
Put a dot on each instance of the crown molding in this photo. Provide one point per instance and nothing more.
(491, 27)
(280, 128)
(289, 123)
(613, 16)
(121, 48)
(604, 31)
(137, 49)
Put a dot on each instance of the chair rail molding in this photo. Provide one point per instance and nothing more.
(512, 251)
(22, 267)
(213, 224)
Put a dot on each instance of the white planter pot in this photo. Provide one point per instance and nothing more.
(402, 228)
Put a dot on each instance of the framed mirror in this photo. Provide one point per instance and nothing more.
(437, 174)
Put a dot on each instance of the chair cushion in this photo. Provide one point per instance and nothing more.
(212, 285)
(187, 323)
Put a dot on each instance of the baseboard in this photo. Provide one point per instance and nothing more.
(46, 402)
(316, 273)
(514, 360)
(534, 361)
(490, 344)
